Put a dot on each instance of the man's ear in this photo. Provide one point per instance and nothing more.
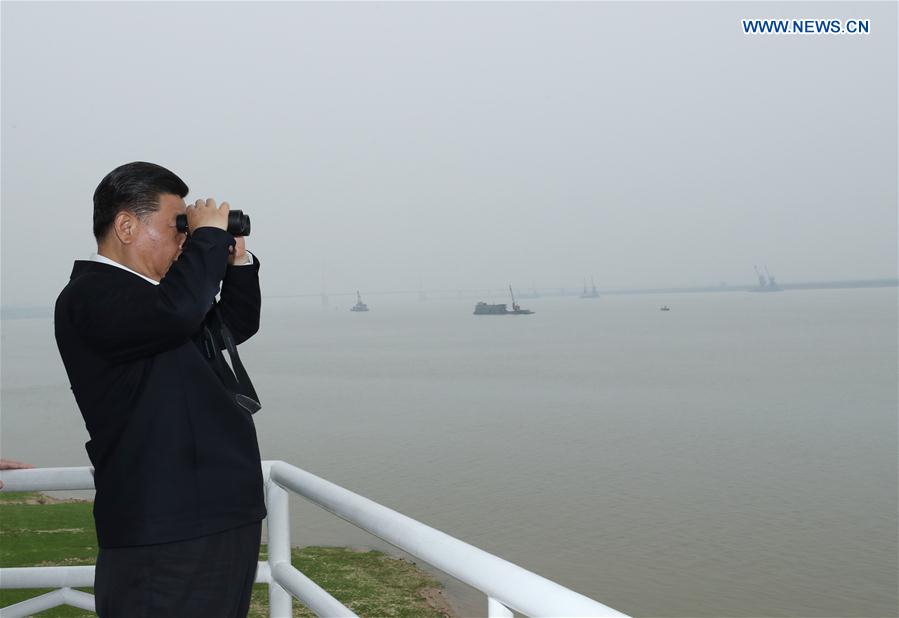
(125, 226)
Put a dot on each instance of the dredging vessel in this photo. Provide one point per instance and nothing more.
(483, 308)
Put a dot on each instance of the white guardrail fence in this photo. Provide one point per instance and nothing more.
(507, 586)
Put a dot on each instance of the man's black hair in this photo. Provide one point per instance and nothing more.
(135, 187)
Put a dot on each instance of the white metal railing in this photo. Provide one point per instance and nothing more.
(507, 586)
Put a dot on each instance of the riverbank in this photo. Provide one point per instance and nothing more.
(37, 530)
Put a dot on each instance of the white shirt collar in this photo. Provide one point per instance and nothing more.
(105, 260)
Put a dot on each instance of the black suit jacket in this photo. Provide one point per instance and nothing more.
(174, 456)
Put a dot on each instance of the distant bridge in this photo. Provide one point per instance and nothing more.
(482, 293)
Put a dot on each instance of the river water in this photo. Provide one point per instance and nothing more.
(736, 456)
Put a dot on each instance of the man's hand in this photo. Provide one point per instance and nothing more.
(11, 464)
(204, 213)
(238, 252)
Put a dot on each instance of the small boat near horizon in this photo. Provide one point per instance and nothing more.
(359, 306)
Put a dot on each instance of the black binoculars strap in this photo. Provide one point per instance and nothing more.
(237, 381)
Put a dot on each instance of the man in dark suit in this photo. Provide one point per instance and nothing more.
(179, 499)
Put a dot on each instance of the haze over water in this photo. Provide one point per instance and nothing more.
(736, 456)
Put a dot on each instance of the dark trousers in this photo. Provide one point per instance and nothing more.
(208, 576)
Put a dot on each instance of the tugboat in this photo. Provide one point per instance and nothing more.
(664, 308)
(359, 306)
(483, 308)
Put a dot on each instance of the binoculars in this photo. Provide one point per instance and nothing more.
(238, 223)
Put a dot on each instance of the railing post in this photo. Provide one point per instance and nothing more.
(278, 526)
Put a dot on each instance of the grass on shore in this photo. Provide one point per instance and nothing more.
(39, 531)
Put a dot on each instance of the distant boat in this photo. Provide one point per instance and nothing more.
(665, 308)
(483, 308)
(594, 293)
(359, 306)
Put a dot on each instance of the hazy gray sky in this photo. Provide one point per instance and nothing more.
(465, 145)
